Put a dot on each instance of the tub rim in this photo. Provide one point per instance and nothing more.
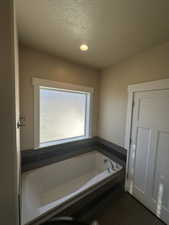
(114, 179)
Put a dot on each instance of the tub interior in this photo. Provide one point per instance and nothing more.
(50, 186)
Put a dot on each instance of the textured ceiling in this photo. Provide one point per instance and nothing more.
(113, 29)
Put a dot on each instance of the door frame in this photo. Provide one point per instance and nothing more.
(132, 89)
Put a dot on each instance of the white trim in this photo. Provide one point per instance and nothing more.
(61, 85)
(37, 83)
(89, 123)
(149, 86)
(146, 86)
(36, 116)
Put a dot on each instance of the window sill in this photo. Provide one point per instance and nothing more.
(63, 141)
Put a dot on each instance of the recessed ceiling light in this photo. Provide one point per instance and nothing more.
(83, 47)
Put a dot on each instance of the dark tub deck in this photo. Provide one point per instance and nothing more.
(33, 159)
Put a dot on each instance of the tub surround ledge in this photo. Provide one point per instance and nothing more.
(33, 159)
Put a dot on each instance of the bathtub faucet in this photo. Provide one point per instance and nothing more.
(110, 164)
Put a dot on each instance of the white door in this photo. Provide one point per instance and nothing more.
(149, 151)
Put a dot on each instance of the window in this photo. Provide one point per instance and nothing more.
(62, 112)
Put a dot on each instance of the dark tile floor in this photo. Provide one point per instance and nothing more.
(118, 208)
(125, 210)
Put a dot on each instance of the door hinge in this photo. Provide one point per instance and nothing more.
(133, 104)
(130, 141)
(127, 176)
(21, 122)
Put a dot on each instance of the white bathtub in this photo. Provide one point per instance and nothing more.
(50, 186)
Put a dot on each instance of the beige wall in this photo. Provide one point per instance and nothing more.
(9, 166)
(150, 65)
(34, 63)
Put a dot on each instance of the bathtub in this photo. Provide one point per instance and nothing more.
(50, 186)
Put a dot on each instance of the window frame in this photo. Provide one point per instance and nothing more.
(60, 86)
